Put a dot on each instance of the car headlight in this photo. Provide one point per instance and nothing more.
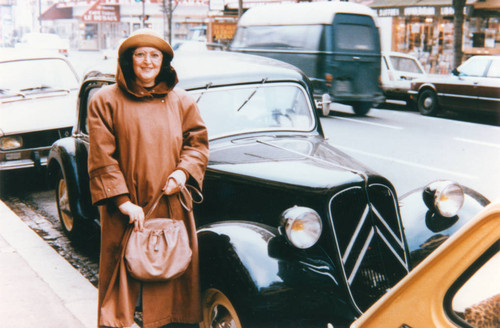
(302, 226)
(445, 197)
(10, 143)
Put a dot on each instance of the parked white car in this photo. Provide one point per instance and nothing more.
(398, 70)
(44, 41)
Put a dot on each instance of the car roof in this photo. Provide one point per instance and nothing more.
(198, 69)
(301, 13)
(397, 54)
(13, 54)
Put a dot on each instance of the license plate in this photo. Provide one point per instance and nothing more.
(342, 86)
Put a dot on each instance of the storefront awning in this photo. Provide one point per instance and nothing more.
(57, 11)
(102, 11)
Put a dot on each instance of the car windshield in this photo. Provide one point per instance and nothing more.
(255, 108)
(32, 76)
(405, 64)
(475, 66)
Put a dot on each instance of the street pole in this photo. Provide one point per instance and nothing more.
(143, 13)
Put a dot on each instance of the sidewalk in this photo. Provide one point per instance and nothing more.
(39, 288)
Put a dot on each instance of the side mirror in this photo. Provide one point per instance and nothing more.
(455, 72)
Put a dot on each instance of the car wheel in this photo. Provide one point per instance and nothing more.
(427, 103)
(218, 311)
(71, 225)
(361, 108)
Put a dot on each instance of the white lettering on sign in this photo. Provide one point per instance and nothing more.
(420, 11)
(388, 12)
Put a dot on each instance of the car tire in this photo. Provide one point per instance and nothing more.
(427, 103)
(218, 311)
(361, 108)
(71, 224)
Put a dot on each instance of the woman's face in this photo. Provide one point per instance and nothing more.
(147, 64)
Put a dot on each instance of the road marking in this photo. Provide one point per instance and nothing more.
(399, 161)
(369, 123)
(477, 142)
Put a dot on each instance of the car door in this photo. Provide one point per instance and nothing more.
(488, 88)
(456, 286)
(461, 91)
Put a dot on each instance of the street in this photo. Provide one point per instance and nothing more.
(412, 150)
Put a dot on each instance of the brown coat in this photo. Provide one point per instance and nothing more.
(137, 139)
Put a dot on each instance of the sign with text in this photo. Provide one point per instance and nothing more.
(102, 11)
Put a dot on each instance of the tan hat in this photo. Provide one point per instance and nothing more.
(146, 38)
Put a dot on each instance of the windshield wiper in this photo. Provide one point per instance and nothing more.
(251, 95)
(207, 86)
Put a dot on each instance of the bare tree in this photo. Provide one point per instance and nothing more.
(458, 27)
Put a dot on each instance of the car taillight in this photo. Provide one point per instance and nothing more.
(328, 79)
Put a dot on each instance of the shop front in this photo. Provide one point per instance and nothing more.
(423, 29)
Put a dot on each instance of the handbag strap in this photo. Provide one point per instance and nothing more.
(185, 198)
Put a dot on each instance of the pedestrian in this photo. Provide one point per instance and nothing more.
(144, 132)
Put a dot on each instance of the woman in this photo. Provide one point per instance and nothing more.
(145, 136)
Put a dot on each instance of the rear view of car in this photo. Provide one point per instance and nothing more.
(37, 106)
(398, 70)
(336, 44)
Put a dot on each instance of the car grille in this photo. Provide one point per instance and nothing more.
(369, 240)
(45, 138)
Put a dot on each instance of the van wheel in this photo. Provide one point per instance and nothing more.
(427, 103)
(218, 310)
(361, 108)
(70, 223)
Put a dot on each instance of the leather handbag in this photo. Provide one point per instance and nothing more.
(161, 251)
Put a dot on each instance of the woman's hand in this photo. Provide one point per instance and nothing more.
(135, 214)
(175, 182)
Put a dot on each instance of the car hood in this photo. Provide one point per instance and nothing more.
(301, 161)
(37, 113)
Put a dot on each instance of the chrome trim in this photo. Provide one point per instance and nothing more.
(318, 269)
(355, 234)
(377, 214)
(361, 256)
(390, 247)
(374, 229)
(21, 164)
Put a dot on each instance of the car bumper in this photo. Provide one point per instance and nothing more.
(23, 159)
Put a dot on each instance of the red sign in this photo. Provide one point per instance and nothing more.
(102, 11)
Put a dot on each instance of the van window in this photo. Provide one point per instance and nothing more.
(301, 37)
(354, 33)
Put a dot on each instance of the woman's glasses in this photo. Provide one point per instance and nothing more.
(154, 56)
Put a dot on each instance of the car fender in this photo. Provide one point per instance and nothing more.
(266, 278)
(69, 155)
(425, 229)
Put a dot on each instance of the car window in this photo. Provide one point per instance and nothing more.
(34, 76)
(475, 66)
(299, 37)
(364, 39)
(405, 64)
(254, 108)
(494, 70)
(479, 295)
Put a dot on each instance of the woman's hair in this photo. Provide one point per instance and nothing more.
(167, 73)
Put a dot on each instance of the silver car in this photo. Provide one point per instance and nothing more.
(398, 70)
(37, 106)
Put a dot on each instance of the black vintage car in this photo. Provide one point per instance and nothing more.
(292, 232)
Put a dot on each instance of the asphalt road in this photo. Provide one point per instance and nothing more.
(412, 150)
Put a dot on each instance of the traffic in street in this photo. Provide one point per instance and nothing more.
(278, 152)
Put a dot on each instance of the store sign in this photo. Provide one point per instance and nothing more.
(102, 11)
(420, 11)
(387, 12)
